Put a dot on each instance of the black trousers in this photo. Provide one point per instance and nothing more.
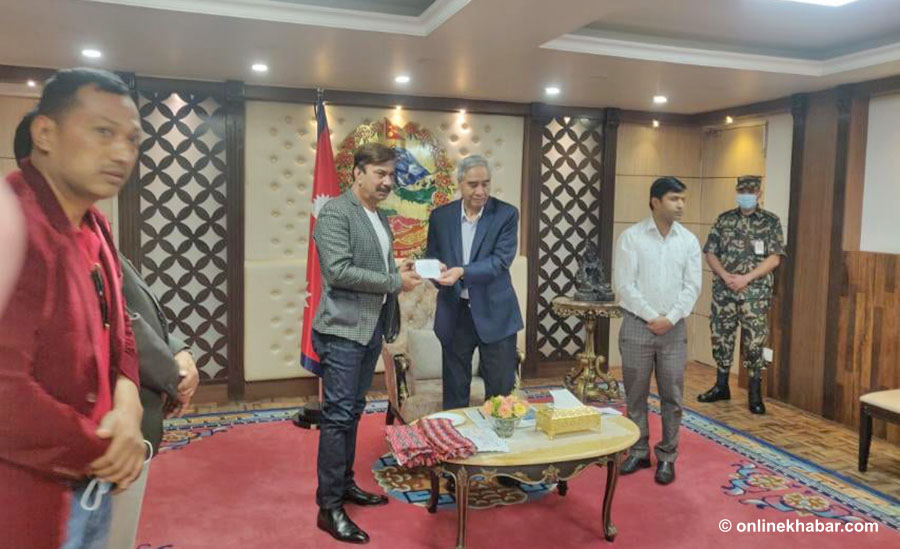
(347, 371)
(497, 362)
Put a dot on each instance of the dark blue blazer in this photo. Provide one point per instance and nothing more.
(495, 308)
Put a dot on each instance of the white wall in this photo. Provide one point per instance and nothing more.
(779, 145)
(881, 191)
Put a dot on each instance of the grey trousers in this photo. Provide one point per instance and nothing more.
(126, 512)
(644, 353)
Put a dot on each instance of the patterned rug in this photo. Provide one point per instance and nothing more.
(764, 476)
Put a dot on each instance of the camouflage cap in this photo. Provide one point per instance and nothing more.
(749, 182)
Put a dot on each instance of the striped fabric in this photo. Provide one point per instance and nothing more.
(427, 443)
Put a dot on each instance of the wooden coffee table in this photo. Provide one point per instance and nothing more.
(534, 458)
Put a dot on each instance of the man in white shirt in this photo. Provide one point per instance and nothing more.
(657, 276)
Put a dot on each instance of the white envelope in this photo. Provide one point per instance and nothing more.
(428, 268)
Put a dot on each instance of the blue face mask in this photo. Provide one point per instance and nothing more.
(746, 201)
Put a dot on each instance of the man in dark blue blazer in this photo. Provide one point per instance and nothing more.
(475, 240)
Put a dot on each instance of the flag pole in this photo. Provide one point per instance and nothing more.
(310, 415)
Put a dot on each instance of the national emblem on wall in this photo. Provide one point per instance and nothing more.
(424, 178)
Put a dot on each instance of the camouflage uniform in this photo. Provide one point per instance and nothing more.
(741, 242)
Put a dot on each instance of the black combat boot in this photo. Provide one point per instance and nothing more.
(719, 391)
(755, 399)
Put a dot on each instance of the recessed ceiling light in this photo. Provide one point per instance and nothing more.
(829, 3)
(729, 120)
(32, 83)
(552, 90)
(260, 67)
(660, 99)
(402, 79)
(656, 123)
(92, 53)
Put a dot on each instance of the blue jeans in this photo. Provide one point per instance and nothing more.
(88, 529)
(347, 371)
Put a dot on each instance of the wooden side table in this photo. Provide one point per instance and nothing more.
(590, 379)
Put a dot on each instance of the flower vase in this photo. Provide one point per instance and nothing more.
(504, 427)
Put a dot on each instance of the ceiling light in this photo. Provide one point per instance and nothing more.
(829, 3)
(552, 90)
(260, 67)
(402, 79)
(729, 120)
(656, 123)
(660, 99)
(32, 83)
(92, 54)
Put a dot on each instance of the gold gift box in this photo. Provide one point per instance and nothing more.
(554, 421)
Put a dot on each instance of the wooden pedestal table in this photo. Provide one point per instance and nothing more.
(590, 379)
(534, 458)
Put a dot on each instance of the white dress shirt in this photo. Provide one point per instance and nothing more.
(469, 226)
(656, 276)
(383, 239)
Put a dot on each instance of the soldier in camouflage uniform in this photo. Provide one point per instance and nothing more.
(744, 247)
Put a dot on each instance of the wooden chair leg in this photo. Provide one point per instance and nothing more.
(865, 438)
(389, 418)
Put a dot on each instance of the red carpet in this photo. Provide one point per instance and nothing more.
(253, 486)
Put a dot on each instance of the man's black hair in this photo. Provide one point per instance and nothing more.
(22, 141)
(665, 185)
(61, 89)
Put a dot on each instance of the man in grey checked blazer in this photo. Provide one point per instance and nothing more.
(355, 247)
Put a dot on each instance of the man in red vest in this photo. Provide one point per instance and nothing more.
(68, 368)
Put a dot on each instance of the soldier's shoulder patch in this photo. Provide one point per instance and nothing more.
(728, 214)
(770, 215)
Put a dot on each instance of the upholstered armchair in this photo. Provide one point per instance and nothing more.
(413, 363)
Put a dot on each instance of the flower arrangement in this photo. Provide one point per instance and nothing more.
(505, 407)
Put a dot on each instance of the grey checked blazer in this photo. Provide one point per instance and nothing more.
(354, 280)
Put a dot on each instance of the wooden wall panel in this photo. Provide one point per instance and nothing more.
(810, 295)
(868, 341)
(856, 173)
(643, 154)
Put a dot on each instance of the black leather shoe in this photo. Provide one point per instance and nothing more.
(719, 391)
(338, 524)
(355, 494)
(633, 463)
(665, 472)
(754, 396)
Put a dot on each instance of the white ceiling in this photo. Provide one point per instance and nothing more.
(770, 27)
(481, 49)
(396, 7)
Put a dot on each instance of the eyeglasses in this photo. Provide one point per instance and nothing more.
(97, 277)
